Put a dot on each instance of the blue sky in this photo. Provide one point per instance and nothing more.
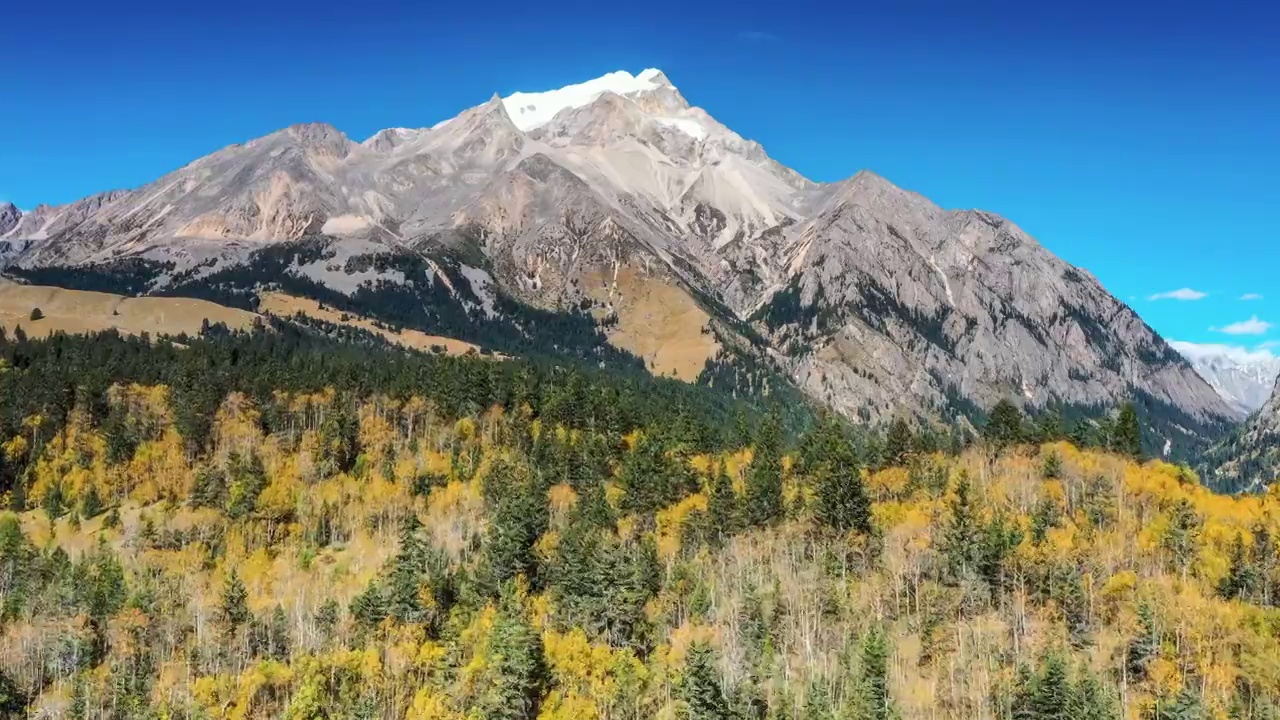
(1139, 140)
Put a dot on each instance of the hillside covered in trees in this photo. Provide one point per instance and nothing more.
(268, 525)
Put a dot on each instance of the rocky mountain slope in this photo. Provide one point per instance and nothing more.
(1242, 377)
(870, 297)
(1249, 459)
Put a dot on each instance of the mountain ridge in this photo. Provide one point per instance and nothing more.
(872, 298)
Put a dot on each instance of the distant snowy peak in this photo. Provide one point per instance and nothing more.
(532, 110)
(1244, 378)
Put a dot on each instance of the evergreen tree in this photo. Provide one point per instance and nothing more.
(764, 477)
(91, 503)
(209, 488)
(519, 516)
(898, 443)
(248, 478)
(1004, 426)
(1241, 576)
(53, 503)
(340, 436)
(1126, 437)
(1186, 705)
(1145, 646)
(1051, 468)
(843, 505)
(1093, 700)
(1182, 536)
(996, 543)
(700, 689)
(79, 706)
(960, 540)
(514, 679)
(1049, 427)
(722, 506)
(233, 609)
(326, 620)
(875, 674)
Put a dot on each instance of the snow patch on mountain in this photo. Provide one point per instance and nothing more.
(1243, 377)
(692, 128)
(532, 110)
(482, 286)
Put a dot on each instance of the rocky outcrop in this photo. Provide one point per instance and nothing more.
(10, 216)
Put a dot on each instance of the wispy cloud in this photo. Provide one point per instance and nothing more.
(1179, 294)
(756, 36)
(1251, 296)
(1252, 326)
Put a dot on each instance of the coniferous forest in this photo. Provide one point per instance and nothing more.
(274, 524)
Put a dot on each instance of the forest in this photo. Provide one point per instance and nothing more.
(273, 524)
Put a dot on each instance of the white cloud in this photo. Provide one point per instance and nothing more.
(1251, 296)
(1199, 351)
(1179, 294)
(1252, 326)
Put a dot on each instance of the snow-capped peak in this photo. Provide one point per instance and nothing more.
(1243, 377)
(531, 110)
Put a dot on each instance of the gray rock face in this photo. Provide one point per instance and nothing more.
(889, 291)
(875, 300)
(10, 216)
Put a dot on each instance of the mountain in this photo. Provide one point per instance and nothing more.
(618, 198)
(1243, 378)
(1249, 458)
(10, 216)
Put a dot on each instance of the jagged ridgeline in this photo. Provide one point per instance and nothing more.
(272, 524)
(613, 218)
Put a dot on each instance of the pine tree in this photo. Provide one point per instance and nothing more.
(1126, 437)
(519, 516)
(1004, 426)
(1051, 696)
(1093, 700)
(1145, 646)
(91, 503)
(210, 488)
(722, 506)
(53, 503)
(843, 505)
(1182, 536)
(1049, 427)
(1051, 468)
(340, 436)
(764, 478)
(960, 541)
(898, 443)
(1241, 576)
(875, 674)
(700, 687)
(233, 609)
(79, 706)
(514, 679)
